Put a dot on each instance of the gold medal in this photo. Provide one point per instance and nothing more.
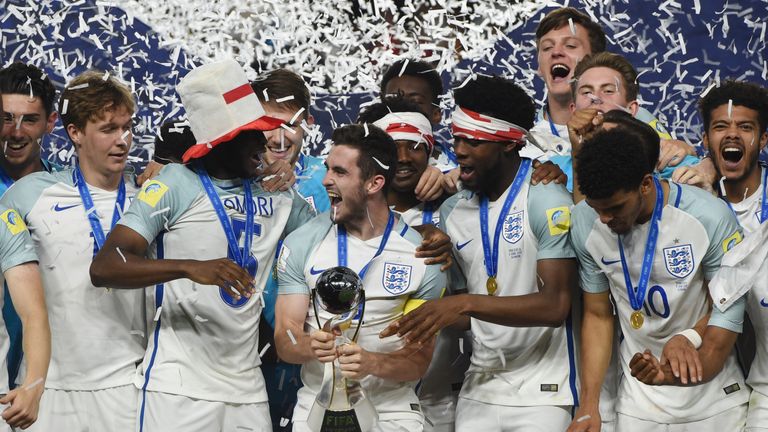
(636, 320)
(491, 285)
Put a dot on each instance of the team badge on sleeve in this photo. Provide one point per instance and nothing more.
(13, 220)
(679, 260)
(513, 227)
(558, 220)
(396, 278)
(152, 191)
(732, 241)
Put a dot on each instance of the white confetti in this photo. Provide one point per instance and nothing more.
(402, 69)
(264, 350)
(200, 319)
(138, 333)
(64, 106)
(266, 95)
(121, 254)
(284, 421)
(572, 26)
(79, 86)
(157, 314)
(365, 126)
(291, 337)
(730, 108)
(284, 99)
(159, 212)
(296, 115)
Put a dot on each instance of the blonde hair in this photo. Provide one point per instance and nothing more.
(89, 96)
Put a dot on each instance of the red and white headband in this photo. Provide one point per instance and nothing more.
(472, 125)
(408, 126)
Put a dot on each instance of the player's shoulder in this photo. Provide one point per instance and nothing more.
(551, 193)
(460, 198)
(312, 231)
(583, 220)
(407, 233)
(699, 203)
(28, 189)
(175, 173)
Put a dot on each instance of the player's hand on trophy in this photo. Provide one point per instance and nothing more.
(586, 420)
(323, 345)
(355, 362)
(683, 358)
(430, 185)
(277, 176)
(23, 403)
(646, 368)
(547, 172)
(582, 123)
(224, 273)
(672, 152)
(435, 246)
(423, 323)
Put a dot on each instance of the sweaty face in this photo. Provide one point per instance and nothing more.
(281, 143)
(416, 91)
(344, 184)
(104, 143)
(734, 141)
(619, 211)
(603, 89)
(478, 161)
(24, 125)
(558, 53)
(412, 161)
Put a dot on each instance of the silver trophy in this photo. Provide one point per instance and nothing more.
(341, 404)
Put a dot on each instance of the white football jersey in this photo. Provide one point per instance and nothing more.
(417, 215)
(97, 334)
(392, 279)
(748, 213)
(203, 344)
(514, 366)
(16, 248)
(695, 231)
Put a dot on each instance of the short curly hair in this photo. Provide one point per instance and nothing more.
(418, 69)
(22, 78)
(742, 93)
(497, 97)
(608, 162)
(371, 142)
(89, 95)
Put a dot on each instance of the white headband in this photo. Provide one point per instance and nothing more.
(409, 126)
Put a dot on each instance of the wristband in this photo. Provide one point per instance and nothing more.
(693, 336)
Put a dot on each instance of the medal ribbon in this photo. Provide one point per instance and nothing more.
(341, 241)
(636, 298)
(426, 215)
(90, 210)
(241, 258)
(492, 255)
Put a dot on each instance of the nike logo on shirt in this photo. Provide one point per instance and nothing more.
(58, 207)
(606, 262)
(460, 246)
(312, 271)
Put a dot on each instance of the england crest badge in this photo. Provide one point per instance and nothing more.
(513, 227)
(396, 278)
(679, 260)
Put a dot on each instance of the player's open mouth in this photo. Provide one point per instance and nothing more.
(466, 172)
(15, 145)
(278, 152)
(732, 153)
(559, 72)
(334, 198)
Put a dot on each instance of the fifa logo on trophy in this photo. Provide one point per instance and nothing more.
(341, 405)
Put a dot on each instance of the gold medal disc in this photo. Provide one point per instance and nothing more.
(491, 286)
(636, 320)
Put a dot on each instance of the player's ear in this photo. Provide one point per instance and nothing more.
(763, 140)
(375, 184)
(646, 184)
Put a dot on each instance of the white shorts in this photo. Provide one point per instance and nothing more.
(108, 410)
(757, 413)
(439, 417)
(472, 415)
(732, 419)
(164, 412)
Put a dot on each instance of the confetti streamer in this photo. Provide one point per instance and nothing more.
(291, 337)
(121, 254)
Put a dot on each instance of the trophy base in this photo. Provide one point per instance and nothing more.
(353, 420)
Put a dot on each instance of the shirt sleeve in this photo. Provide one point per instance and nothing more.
(733, 317)
(161, 201)
(15, 243)
(591, 278)
(301, 213)
(296, 252)
(549, 210)
(724, 233)
(432, 285)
